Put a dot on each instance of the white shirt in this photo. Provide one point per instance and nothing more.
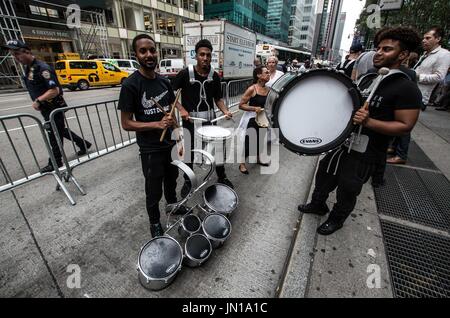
(431, 71)
(273, 79)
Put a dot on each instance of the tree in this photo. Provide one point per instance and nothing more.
(418, 14)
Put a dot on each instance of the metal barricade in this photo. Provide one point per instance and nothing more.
(98, 123)
(235, 90)
(17, 145)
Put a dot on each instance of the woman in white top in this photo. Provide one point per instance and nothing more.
(272, 63)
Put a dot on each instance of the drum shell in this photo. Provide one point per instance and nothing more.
(183, 229)
(215, 241)
(153, 283)
(192, 261)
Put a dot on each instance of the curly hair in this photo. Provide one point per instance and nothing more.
(139, 37)
(203, 43)
(409, 39)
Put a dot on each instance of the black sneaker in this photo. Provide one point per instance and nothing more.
(49, 168)
(314, 209)
(84, 150)
(156, 230)
(225, 181)
(329, 227)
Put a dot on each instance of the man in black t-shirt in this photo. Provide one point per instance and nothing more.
(393, 111)
(139, 113)
(195, 81)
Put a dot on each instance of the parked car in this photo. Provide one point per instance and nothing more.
(129, 66)
(83, 74)
(170, 67)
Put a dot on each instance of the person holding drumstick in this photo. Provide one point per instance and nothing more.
(139, 96)
(392, 111)
(200, 89)
(252, 102)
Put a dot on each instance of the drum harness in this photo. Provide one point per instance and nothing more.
(373, 86)
(209, 114)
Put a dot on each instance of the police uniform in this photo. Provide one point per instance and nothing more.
(39, 78)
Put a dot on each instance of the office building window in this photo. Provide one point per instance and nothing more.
(148, 21)
(166, 24)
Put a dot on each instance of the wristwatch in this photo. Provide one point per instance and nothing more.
(37, 101)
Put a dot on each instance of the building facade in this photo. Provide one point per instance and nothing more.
(251, 14)
(308, 23)
(102, 28)
(278, 17)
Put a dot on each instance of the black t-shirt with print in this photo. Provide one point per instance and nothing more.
(393, 94)
(190, 94)
(135, 97)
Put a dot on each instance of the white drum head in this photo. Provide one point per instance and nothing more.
(213, 133)
(314, 113)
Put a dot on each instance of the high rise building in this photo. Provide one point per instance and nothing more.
(327, 16)
(308, 23)
(278, 16)
(335, 54)
(247, 13)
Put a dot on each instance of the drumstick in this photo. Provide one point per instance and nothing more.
(199, 119)
(171, 114)
(382, 72)
(222, 117)
(162, 109)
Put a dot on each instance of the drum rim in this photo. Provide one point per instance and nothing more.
(210, 206)
(161, 278)
(194, 258)
(354, 94)
(215, 238)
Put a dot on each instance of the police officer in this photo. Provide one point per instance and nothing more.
(46, 94)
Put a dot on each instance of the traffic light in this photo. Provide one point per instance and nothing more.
(322, 49)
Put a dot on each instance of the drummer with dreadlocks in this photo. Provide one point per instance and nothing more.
(200, 89)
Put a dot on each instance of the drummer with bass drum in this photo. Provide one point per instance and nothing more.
(201, 87)
(392, 111)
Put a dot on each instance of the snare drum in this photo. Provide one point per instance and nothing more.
(213, 140)
(313, 110)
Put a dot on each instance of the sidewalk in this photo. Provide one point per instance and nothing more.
(394, 231)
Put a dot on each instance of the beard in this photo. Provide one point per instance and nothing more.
(149, 64)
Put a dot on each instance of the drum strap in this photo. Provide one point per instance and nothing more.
(202, 91)
(340, 151)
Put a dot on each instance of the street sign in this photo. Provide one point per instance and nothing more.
(387, 5)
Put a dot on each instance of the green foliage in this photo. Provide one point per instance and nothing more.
(418, 14)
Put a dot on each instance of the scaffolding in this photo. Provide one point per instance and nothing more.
(90, 39)
(11, 72)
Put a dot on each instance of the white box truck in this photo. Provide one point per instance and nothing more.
(233, 47)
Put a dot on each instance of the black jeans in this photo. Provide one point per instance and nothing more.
(260, 136)
(351, 174)
(220, 169)
(59, 121)
(158, 171)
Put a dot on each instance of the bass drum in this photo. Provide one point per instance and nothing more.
(313, 110)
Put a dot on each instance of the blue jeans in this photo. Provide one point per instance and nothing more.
(402, 145)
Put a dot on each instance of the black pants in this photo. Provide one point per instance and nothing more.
(158, 171)
(62, 131)
(351, 173)
(379, 170)
(260, 136)
(59, 121)
(220, 169)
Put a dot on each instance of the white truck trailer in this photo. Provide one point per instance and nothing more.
(233, 47)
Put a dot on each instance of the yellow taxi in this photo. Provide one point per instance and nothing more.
(83, 74)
